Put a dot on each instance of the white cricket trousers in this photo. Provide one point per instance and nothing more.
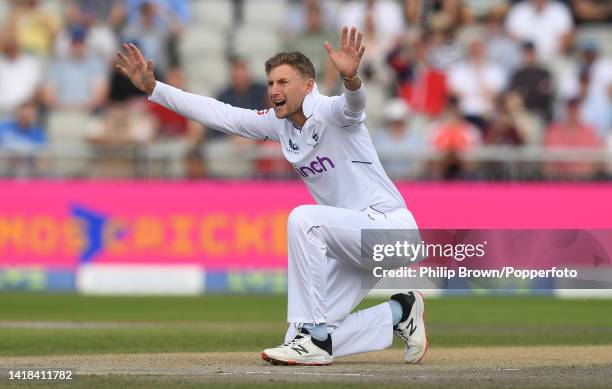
(326, 279)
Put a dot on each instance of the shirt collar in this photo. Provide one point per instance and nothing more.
(311, 101)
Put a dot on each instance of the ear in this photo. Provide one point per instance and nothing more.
(310, 85)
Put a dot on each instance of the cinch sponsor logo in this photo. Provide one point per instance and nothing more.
(317, 166)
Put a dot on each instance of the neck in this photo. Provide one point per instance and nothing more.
(298, 119)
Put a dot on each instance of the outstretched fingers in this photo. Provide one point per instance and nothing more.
(328, 46)
(351, 42)
(122, 69)
(122, 59)
(344, 37)
(361, 51)
(358, 42)
(136, 54)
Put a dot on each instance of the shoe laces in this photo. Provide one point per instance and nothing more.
(298, 336)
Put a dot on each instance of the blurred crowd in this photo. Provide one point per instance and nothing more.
(445, 78)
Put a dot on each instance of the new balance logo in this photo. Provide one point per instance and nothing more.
(300, 349)
(319, 165)
(411, 326)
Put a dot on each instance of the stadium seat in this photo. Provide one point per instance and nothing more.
(269, 13)
(206, 75)
(256, 45)
(225, 158)
(602, 34)
(203, 41)
(216, 14)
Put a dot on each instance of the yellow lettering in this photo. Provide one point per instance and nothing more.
(181, 227)
(148, 233)
(43, 235)
(250, 235)
(279, 234)
(208, 235)
(12, 233)
(73, 237)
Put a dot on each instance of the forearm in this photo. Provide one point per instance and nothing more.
(201, 109)
(355, 98)
(208, 111)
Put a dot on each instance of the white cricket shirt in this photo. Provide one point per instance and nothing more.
(332, 152)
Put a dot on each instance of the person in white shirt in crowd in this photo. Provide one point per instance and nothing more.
(546, 23)
(387, 17)
(591, 80)
(325, 140)
(477, 83)
(20, 75)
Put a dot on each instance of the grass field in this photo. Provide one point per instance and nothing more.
(52, 326)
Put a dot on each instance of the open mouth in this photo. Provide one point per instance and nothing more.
(279, 103)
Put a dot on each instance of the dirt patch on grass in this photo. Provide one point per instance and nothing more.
(541, 366)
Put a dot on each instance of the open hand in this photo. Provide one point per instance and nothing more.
(346, 60)
(133, 66)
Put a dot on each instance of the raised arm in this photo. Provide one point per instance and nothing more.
(346, 60)
(206, 110)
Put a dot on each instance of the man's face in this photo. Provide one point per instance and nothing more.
(287, 89)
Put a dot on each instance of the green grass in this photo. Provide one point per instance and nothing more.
(226, 323)
(161, 382)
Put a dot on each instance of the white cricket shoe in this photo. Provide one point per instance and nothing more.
(411, 327)
(301, 350)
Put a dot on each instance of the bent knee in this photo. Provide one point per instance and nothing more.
(303, 215)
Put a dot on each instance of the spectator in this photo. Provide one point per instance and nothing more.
(453, 133)
(309, 42)
(444, 51)
(21, 138)
(592, 11)
(572, 132)
(501, 49)
(170, 16)
(373, 66)
(421, 12)
(195, 167)
(450, 137)
(513, 126)
(34, 26)
(547, 23)
(78, 81)
(92, 16)
(396, 139)
(296, 24)
(243, 91)
(592, 83)
(126, 124)
(478, 10)
(20, 75)
(534, 83)
(477, 83)
(76, 88)
(386, 16)
(108, 12)
(23, 132)
(151, 37)
(423, 87)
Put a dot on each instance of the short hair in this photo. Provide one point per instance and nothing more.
(295, 59)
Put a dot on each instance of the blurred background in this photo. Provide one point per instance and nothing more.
(457, 89)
